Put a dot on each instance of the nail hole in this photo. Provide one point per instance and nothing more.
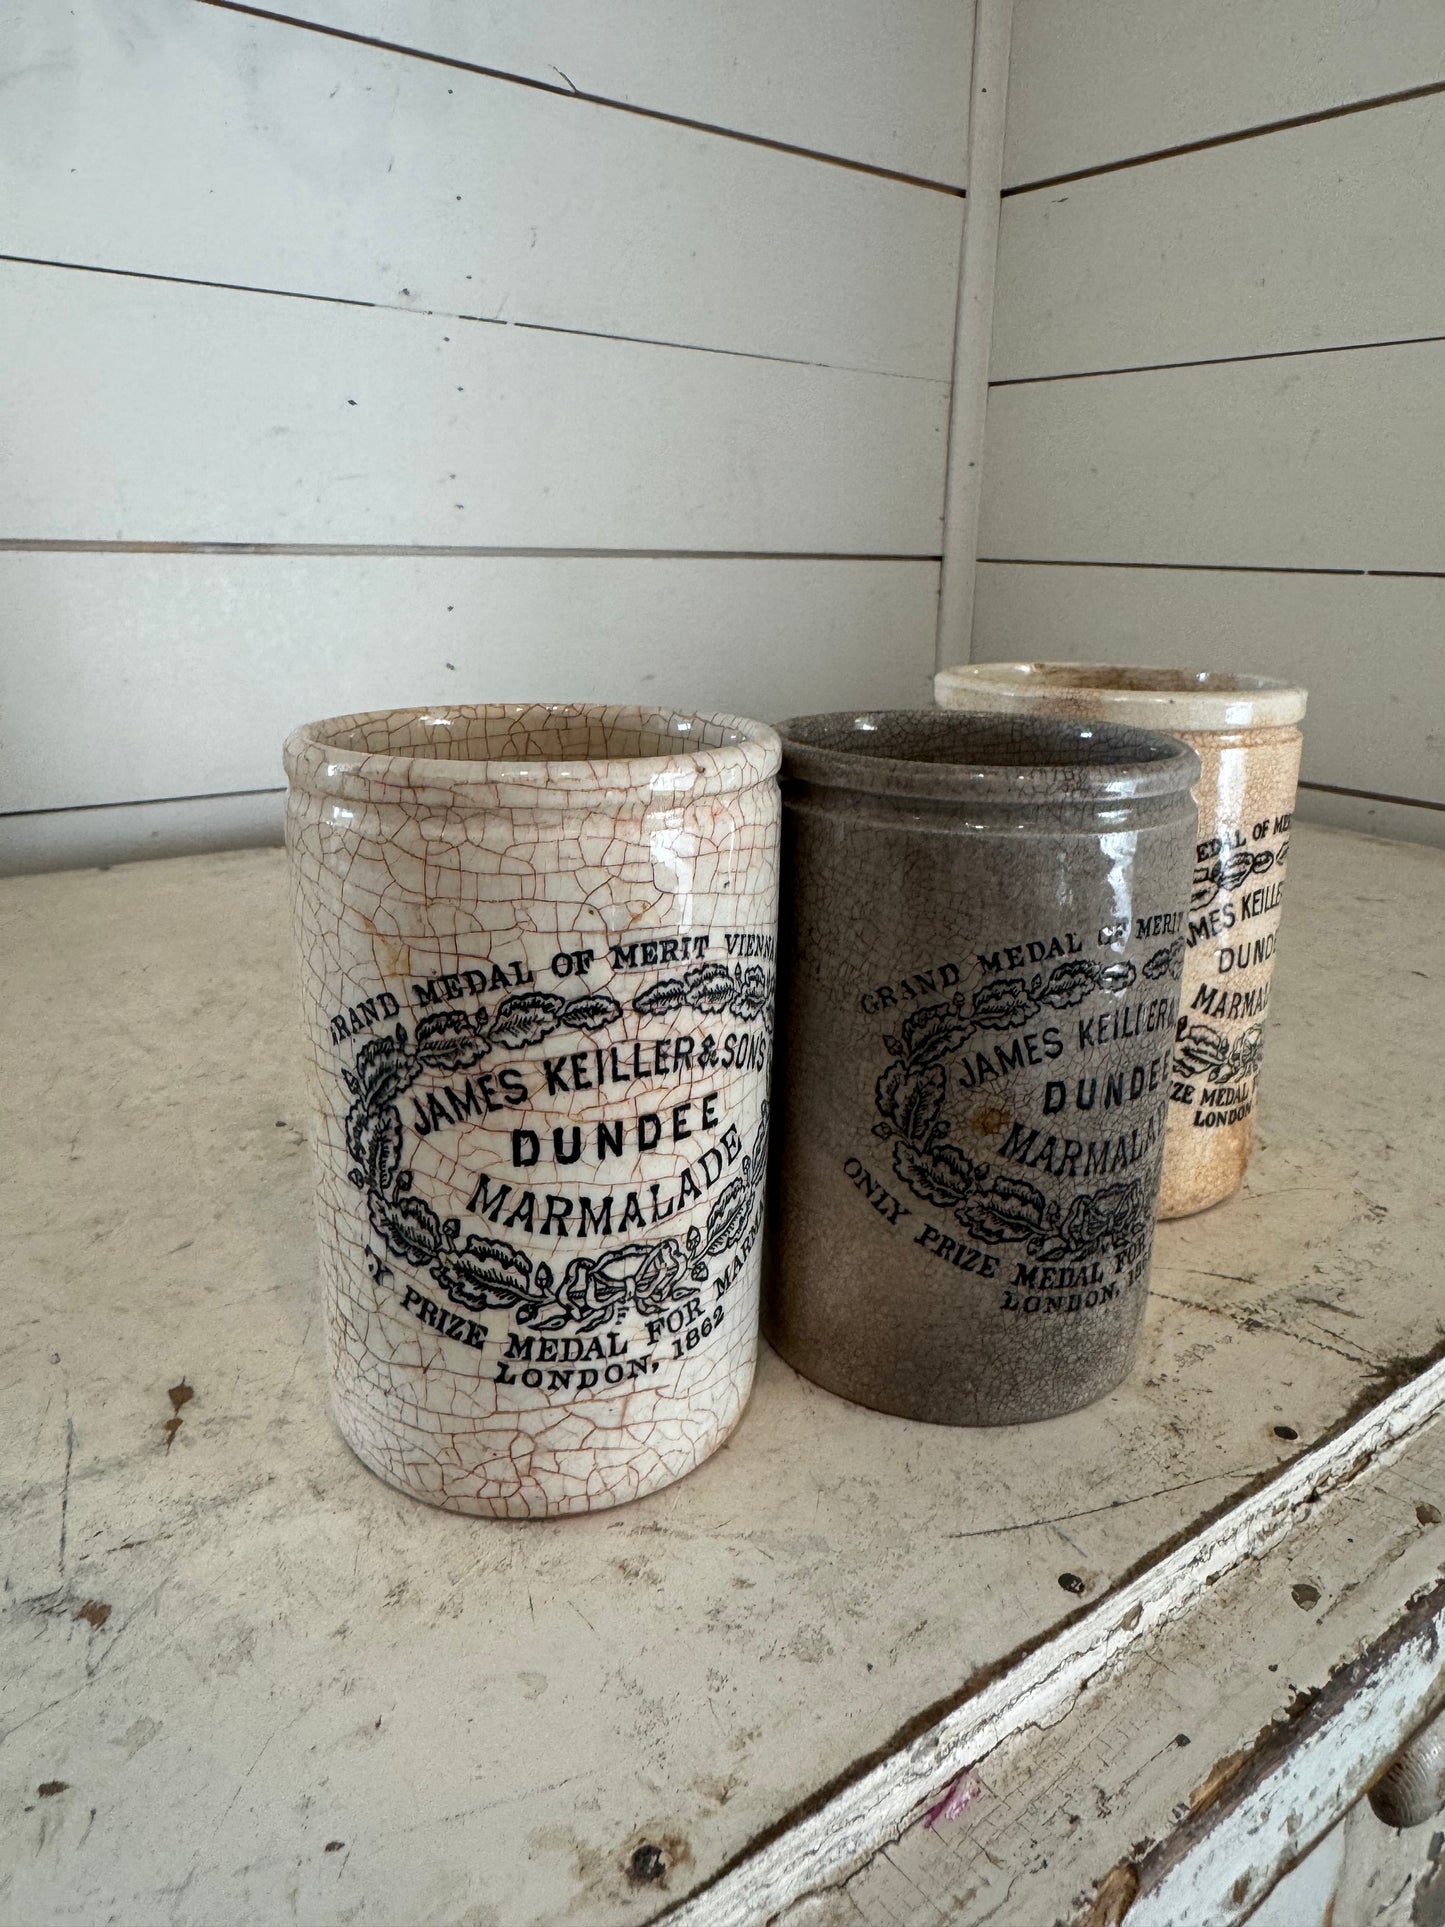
(1285, 1432)
(648, 1862)
(1071, 1582)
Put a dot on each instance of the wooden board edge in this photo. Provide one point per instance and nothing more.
(1350, 1722)
(840, 1831)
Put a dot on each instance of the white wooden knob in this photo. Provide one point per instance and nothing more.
(1411, 1790)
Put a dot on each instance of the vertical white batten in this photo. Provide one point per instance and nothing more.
(993, 23)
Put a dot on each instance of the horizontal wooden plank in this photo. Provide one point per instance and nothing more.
(1315, 461)
(136, 832)
(1096, 84)
(884, 84)
(173, 138)
(147, 411)
(1319, 237)
(1370, 650)
(180, 674)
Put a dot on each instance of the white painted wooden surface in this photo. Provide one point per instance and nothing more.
(1317, 461)
(1388, 1879)
(1368, 648)
(881, 82)
(1323, 236)
(1309, 1791)
(202, 415)
(690, 1669)
(171, 138)
(244, 647)
(1198, 1762)
(1307, 1893)
(1119, 78)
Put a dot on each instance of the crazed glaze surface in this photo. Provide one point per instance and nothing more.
(537, 953)
(1244, 731)
(982, 943)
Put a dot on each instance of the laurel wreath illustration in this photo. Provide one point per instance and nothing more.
(1217, 874)
(993, 1207)
(479, 1272)
(1206, 1053)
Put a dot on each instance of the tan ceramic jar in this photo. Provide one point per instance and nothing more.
(537, 956)
(1246, 733)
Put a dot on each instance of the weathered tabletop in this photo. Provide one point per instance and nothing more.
(242, 1681)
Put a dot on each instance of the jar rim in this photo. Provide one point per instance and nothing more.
(1165, 697)
(947, 753)
(381, 755)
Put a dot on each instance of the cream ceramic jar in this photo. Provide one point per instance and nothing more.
(1246, 733)
(537, 957)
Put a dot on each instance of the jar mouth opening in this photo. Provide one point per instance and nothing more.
(950, 752)
(576, 748)
(1164, 697)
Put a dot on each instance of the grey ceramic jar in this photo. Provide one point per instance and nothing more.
(982, 940)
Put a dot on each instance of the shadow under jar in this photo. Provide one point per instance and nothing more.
(1245, 731)
(536, 948)
(980, 957)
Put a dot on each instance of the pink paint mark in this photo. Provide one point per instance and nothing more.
(961, 1794)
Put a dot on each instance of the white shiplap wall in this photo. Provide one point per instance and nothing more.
(406, 351)
(1216, 421)
(389, 350)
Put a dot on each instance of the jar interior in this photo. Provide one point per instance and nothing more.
(529, 733)
(959, 737)
(1108, 675)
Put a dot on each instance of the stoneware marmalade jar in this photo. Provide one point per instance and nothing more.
(981, 948)
(1245, 731)
(537, 958)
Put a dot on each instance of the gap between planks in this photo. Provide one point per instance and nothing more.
(1231, 139)
(1205, 568)
(453, 314)
(1374, 796)
(569, 92)
(844, 1830)
(79, 545)
(1210, 361)
(142, 802)
(221, 796)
